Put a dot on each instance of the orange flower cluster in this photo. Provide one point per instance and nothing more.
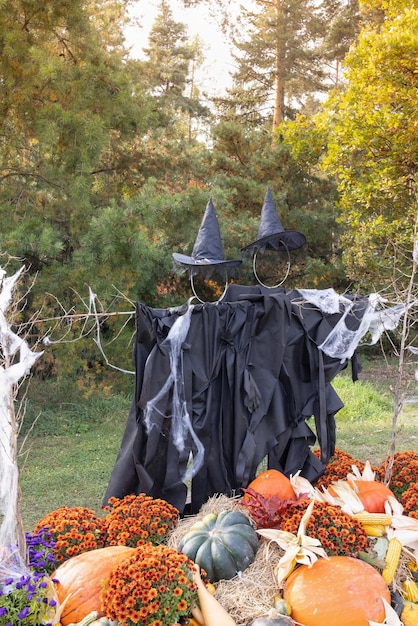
(404, 472)
(74, 530)
(154, 587)
(409, 501)
(135, 520)
(338, 467)
(338, 532)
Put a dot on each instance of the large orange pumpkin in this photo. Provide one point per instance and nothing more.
(339, 590)
(272, 483)
(80, 578)
(372, 493)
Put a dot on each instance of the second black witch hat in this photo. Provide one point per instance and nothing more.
(271, 234)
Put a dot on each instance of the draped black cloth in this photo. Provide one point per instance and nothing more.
(250, 377)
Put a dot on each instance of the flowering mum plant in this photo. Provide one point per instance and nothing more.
(154, 587)
(339, 533)
(74, 530)
(340, 464)
(28, 600)
(409, 500)
(404, 471)
(134, 520)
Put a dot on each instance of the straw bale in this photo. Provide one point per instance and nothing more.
(252, 592)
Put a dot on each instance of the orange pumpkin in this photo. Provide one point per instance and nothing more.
(339, 590)
(272, 483)
(372, 493)
(79, 580)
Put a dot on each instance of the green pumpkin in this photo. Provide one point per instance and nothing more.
(222, 545)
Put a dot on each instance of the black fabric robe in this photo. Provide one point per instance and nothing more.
(250, 376)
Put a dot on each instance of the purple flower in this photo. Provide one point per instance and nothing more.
(23, 613)
(24, 600)
(40, 551)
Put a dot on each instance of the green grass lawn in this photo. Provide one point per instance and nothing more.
(364, 425)
(70, 470)
(70, 453)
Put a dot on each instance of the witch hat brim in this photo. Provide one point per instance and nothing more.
(207, 254)
(271, 234)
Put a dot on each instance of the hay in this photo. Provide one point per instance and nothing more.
(251, 593)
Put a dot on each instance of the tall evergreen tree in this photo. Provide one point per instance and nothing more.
(286, 53)
(278, 62)
(172, 147)
(169, 54)
(69, 111)
(67, 103)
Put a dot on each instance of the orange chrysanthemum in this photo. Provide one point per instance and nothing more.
(162, 592)
(409, 500)
(404, 472)
(339, 533)
(134, 520)
(338, 467)
(74, 530)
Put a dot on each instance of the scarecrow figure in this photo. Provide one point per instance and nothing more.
(222, 386)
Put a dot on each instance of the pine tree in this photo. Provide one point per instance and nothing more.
(286, 54)
(173, 149)
(67, 104)
(342, 20)
(170, 56)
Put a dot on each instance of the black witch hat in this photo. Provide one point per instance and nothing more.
(271, 234)
(207, 255)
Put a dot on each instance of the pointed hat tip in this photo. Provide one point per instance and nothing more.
(207, 250)
(271, 234)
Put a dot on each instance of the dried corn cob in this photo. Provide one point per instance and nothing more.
(392, 560)
(375, 530)
(410, 590)
(373, 519)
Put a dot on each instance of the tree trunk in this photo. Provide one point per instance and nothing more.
(278, 112)
(278, 97)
